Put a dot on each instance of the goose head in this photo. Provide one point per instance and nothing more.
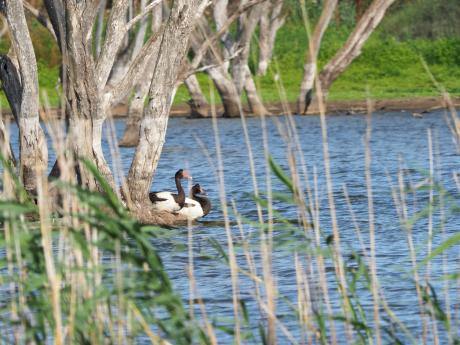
(198, 190)
(181, 173)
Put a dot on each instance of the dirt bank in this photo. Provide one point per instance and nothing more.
(413, 105)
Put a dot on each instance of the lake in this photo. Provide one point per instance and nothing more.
(399, 141)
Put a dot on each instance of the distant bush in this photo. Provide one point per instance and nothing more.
(430, 19)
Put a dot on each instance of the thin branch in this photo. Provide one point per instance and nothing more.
(41, 18)
(136, 69)
(192, 71)
(211, 40)
(114, 37)
(141, 15)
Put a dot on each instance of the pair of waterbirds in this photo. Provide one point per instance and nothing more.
(195, 206)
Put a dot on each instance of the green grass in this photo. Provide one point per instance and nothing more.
(387, 67)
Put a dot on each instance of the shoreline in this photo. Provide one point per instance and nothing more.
(410, 104)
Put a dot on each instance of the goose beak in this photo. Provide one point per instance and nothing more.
(185, 174)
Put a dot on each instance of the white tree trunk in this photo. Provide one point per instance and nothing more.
(174, 44)
(22, 92)
(100, 26)
(256, 106)
(199, 106)
(310, 67)
(135, 109)
(352, 47)
(227, 91)
(131, 133)
(271, 21)
(5, 145)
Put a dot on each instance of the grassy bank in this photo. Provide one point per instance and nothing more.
(389, 67)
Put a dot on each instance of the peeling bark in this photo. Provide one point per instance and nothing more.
(135, 109)
(310, 67)
(256, 107)
(174, 45)
(271, 21)
(21, 89)
(199, 106)
(352, 47)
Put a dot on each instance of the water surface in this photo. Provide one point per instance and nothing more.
(398, 140)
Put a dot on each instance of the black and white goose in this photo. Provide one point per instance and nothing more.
(197, 205)
(167, 201)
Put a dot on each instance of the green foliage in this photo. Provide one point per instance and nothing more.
(143, 285)
(389, 64)
(426, 19)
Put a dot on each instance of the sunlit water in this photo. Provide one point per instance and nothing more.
(398, 140)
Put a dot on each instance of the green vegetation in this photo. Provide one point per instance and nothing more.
(90, 274)
(390, 64)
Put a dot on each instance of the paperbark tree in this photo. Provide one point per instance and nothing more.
(368, 22)
(239, 45)
(198, 104)
(310, 67)
(171, 55)
(136, 106)
(91, 88)
(217, 72)
(21, 88)
(229, 61)
(271, 21)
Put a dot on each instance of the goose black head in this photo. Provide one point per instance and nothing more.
(196, 189)
(181, 173)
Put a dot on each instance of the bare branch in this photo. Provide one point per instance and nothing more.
(41, 18)
(205, 68)
(212, 40)
(352, 47)
(11, 85)
(114, 38)
(141, 15)
(137, 68)
(56, 15)
(99, 26)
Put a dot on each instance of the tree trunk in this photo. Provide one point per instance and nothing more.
(310, 67)
(132, 48)
(199, 106)
(271, 21)
(174, 44)
(22, 93)
(256, 107)
(227, 91)
(86, 104)
(100, 26)
(6, 149)
(352, 47)
(247, 26)
(136, 106)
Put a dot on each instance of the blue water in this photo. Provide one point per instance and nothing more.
(398, 141)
